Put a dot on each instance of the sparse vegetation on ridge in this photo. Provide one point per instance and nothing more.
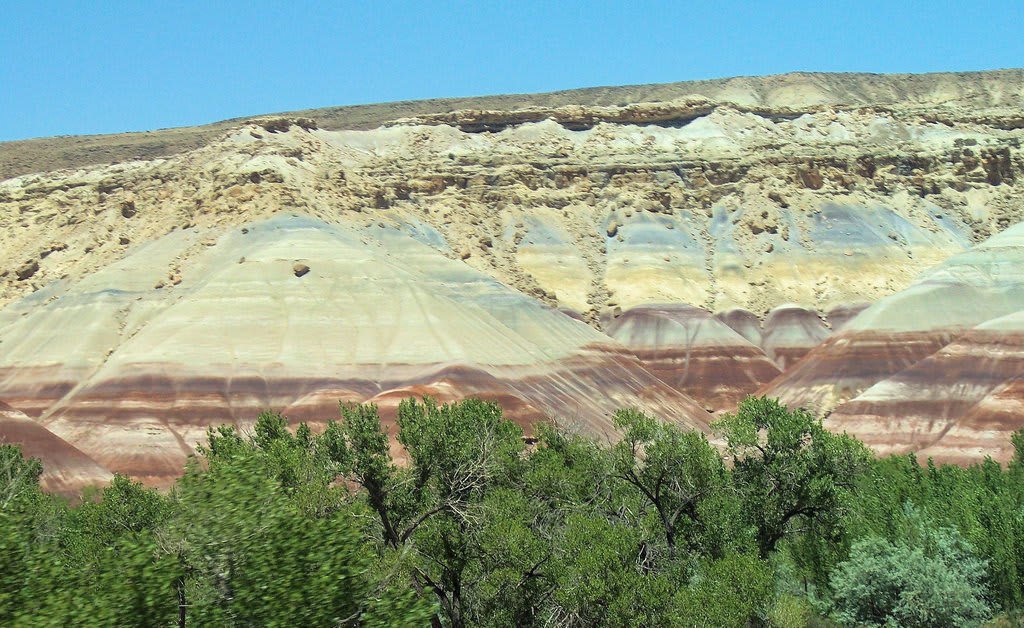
(792, 526)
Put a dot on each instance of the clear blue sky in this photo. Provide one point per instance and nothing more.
(103, 67)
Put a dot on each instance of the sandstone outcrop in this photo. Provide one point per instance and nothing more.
(714, 211)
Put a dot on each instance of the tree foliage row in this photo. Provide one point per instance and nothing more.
(778, 523)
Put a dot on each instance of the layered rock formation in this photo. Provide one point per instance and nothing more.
(704, 202)
(672, 247)
(66, 470)
(959, 404)
(789, 332)
(934, 369)
(691, 350)
(895, 333)
(293, 315)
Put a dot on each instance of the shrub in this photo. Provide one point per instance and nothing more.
(281, 125)
(929, 578)
(276, 125)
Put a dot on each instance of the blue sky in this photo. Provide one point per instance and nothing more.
(103, 67)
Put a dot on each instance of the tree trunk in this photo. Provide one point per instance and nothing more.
(376, 495)
(182, 605)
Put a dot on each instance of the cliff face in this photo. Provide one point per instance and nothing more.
(673, 247)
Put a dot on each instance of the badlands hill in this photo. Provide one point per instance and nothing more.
(845, 242)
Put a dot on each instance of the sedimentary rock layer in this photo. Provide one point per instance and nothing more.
(951, 404)
(994, 98)
(162, 284)
(716, 200)
(694, 352)
(892, 335)
(789, 332)
(66, 470)
(293, 315)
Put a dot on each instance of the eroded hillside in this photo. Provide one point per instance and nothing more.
(673, 247)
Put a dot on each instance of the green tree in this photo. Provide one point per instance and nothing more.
(983, 502)
(520, 542)
(20, 499)
(735, 590)
(19, 478)
(123, 508)
(437, 505)
(1017, 439)
(256, 552)
(678, 473)
(602, 581)
(459, 453)
(360, 449)
(98, 564)
(789, 469)
(128, 583)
